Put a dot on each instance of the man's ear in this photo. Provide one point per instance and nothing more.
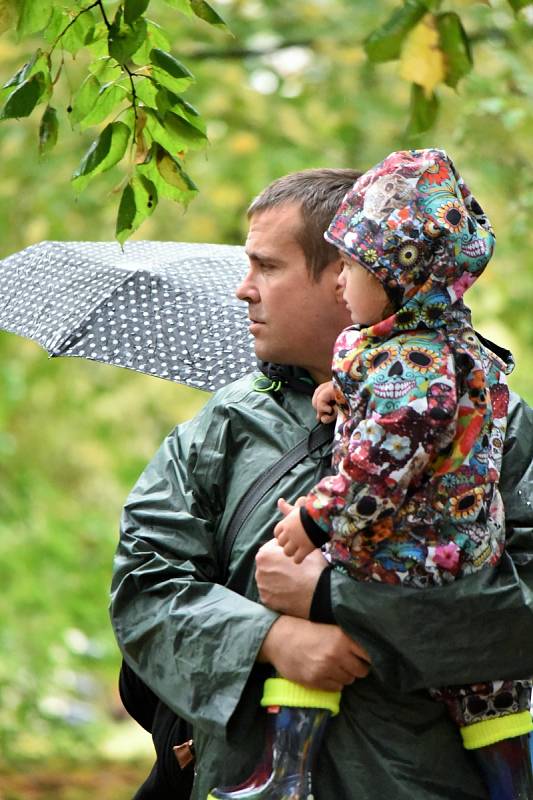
(334, 268)
(337, 269)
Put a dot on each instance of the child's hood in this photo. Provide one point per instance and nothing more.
(412, 222)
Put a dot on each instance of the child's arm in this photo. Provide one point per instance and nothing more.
(324, 402)
(290, 532)
(391, 430)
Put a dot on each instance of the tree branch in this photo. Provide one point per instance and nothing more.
(243, 52)
(72, 21)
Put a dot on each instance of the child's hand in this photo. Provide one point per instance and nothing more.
(291, 534)
(324, 402)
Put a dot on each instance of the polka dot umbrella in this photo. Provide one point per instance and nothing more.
(163, 308)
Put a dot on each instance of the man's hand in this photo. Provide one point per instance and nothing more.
(319, 656)
(283, 585)
(324, 402)
(291, 534)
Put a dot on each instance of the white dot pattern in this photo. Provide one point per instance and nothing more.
(167, 309)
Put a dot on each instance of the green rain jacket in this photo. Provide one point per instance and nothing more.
(192, 635)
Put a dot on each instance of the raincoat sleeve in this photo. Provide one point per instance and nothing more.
(479, 628)
(191, 640)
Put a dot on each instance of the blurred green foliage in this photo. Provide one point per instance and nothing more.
(294, 89)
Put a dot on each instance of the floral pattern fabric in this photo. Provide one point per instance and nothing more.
(414, 496)
(422, 404)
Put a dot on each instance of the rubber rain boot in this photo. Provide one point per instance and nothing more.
(296, 723)
(506, 768)
(500, 746)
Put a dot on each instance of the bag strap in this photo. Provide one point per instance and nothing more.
(318, 437)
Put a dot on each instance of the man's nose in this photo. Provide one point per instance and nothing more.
(247, 290)
(341, 280)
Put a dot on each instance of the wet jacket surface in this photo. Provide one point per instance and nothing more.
(194, 640)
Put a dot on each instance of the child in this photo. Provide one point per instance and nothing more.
(422, 409)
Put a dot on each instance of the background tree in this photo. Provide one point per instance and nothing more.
(296, 85)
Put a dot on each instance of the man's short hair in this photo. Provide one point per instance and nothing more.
(319, 192)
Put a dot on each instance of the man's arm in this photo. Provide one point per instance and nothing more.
(193, 641)
(478, 628)
(332, 659)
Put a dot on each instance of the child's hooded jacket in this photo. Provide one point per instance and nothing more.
(422, 404)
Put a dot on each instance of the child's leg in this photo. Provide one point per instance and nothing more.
(495, 724)
(506, 768)
(297, 718)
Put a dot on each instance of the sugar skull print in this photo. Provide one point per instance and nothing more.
(422, 404)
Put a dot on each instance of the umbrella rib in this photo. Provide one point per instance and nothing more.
(57, 344)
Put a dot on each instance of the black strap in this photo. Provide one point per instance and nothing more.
(318, 437)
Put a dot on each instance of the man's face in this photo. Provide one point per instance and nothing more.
(294, 319)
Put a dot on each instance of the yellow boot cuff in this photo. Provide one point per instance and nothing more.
(281, 692)
(490, 731)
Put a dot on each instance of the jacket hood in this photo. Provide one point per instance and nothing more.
(412, 222)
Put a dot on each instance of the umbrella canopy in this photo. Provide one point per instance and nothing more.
(167, 309)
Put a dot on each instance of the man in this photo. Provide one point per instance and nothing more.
(199, 638)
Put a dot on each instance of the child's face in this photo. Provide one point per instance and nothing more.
(364, 295)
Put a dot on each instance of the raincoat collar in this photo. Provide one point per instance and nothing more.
(283, 375)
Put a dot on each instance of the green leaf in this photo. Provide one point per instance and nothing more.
(95, 102)
(8, 15)
(126, 214)
(96, 42)
(170, 72)
(174, 133)
(48, 130)
(169, 177)
(104, 153)
(173, 84)
(105, 69)
(188, 108)
(168, 101)
(24, 98)
(84, 99)
(110, 96)
(385, 43)
(133, 9)
(58, 22)
(167, 63)
(33, 16)
(39, 62)
(181, 5)
(155, 37)
(516, 5)
(455, 47)
(21, 74)
(423, 110)
(147, 92)
(77, 35)
(204, 11)
(123, 40)
(138, 202)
